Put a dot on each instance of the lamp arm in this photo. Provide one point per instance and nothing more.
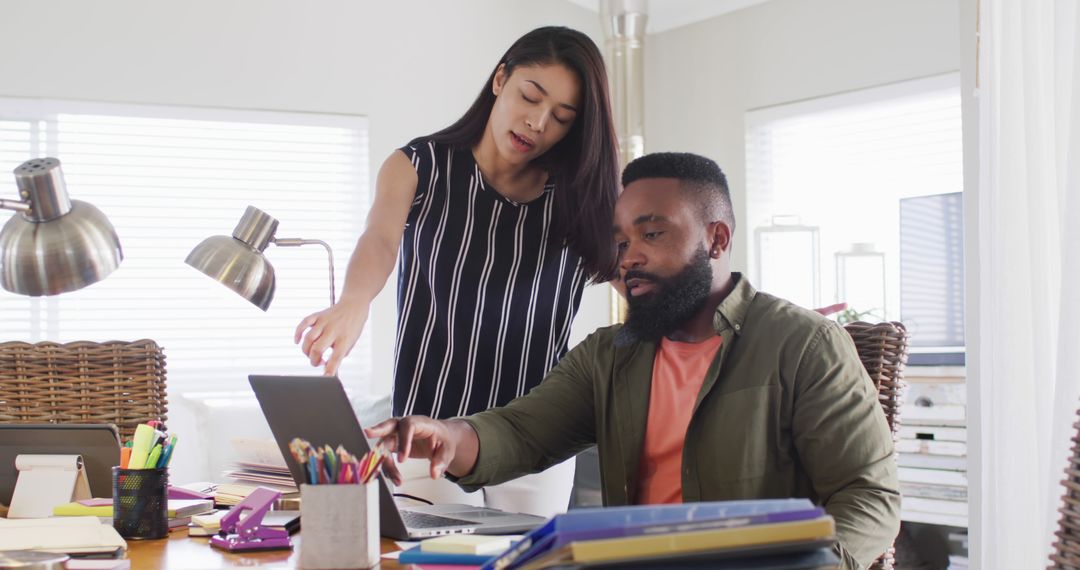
(17, 205)
(297, 242)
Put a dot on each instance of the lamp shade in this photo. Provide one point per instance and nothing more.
(238, 261)
(54, 244)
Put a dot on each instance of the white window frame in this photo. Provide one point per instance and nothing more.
(43, 114)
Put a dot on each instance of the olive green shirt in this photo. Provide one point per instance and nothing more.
(786, 410)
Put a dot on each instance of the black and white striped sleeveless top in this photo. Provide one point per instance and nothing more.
(484, 301)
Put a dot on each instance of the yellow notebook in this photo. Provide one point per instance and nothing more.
(466, 544)
(177, 508)
(700, 541)
(77, 510)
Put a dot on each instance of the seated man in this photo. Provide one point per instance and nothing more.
(710, 390)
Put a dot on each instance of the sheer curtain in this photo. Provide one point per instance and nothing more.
(1026, 358)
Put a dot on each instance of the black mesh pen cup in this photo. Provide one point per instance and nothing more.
(141, 502)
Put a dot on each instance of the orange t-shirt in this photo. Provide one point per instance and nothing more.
(678, 373)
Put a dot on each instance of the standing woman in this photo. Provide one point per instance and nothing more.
(497, 222)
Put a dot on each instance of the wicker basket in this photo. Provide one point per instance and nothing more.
(115, 382)
(1066, 553)
(883, 349)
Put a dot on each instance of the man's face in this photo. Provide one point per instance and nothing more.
(664, 261)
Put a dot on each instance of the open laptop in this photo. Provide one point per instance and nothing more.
(316, 408)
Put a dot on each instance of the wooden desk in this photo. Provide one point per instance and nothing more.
(195, 553)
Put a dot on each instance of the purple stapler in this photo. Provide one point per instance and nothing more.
(240, 532)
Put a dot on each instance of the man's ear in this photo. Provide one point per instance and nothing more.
(499, 80)
(720, 238)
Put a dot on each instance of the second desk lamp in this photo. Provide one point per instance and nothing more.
(238, 261)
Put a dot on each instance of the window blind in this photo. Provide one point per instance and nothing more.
(842, 164)
(168, 178)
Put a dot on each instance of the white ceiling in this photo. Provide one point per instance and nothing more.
(665, 15)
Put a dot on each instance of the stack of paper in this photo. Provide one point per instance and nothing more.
(229, 494)
(68, 535)
(259, 462)
(210, 524)
(206, 525)
(788, 533)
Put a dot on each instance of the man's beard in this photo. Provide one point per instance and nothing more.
(675, 301)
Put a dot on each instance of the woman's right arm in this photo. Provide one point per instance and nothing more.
(339, 326)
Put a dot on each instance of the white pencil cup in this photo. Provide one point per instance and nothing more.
(339, 526)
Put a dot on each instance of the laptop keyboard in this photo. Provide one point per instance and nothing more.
(414, 519)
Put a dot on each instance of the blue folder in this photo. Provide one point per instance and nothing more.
(416, 556)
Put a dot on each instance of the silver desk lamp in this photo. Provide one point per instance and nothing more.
(54, 244)
(238, 261)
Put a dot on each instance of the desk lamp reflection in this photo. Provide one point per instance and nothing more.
(238, 262)
(53, 244)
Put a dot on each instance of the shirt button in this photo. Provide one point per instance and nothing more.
(738, 326)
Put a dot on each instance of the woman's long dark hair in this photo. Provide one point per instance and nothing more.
(584, 165)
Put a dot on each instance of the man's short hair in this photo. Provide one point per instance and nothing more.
(700, 176)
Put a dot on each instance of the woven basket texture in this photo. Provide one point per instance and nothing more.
(1066, 554)
(883, 350)
(117, 382)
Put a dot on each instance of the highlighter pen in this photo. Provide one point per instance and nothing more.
(152, 459)
(144, 441)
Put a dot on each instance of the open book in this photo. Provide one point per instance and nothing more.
(257, 463)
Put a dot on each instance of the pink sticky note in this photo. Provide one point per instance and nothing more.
(88, 564)
(96, 502)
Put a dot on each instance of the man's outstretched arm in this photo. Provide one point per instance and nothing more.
(554, 421)
(451, 445)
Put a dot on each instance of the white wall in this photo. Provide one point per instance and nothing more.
(410, 67)
(702, 78)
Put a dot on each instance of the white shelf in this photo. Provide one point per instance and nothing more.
(908, 515)
(935, 371)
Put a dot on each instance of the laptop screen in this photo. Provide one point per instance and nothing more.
(316, 408)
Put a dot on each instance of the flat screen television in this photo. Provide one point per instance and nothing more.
(932, 278)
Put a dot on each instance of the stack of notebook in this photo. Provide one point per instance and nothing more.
(230, 494)
(788, 533)
(209, 524)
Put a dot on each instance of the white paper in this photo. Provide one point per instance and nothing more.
(49, 522)
(46, 481)
(61, 534)
(57, 462)
(258, 452)
(403, 545)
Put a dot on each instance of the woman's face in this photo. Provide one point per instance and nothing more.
(535, 106)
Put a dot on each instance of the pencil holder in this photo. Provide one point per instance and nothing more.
(340, 526)
(141, 502)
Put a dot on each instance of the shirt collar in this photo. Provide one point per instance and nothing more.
(731, 312)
